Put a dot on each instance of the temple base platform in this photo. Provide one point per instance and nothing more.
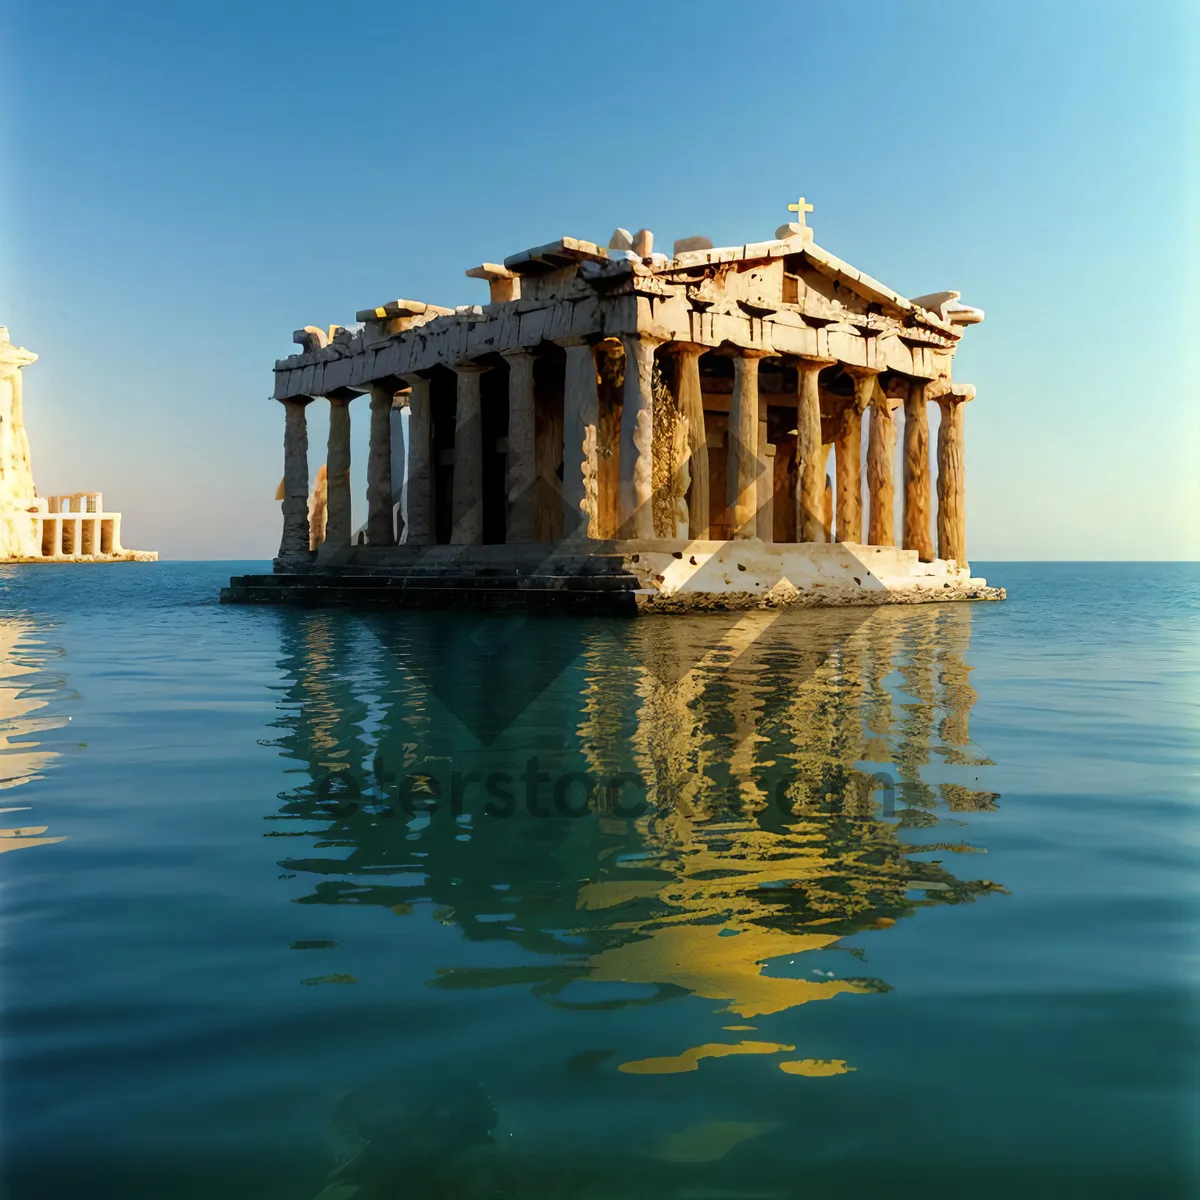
(618, 577)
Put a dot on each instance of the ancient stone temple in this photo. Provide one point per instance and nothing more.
(621, 428)
(37, 528)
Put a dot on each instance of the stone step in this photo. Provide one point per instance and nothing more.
(589, 568)
(452, 573)
(548, 583)
(304, 594)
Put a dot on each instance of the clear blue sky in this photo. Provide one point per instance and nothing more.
(186, 183)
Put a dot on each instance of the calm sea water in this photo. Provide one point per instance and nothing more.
(878, 902)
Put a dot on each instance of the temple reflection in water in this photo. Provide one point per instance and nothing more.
(692, 799)
(630, 814)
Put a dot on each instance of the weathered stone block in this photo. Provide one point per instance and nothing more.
(683, 245)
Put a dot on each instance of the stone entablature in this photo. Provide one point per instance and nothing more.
(616, 394)
(37, 528)
(784, 297)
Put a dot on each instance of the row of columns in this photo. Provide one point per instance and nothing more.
(747, 450)
(73, 533)
(748, 467)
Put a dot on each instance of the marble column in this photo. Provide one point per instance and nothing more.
(294, 543)
(916, 473)
(691, 404)
(380, 527)
(765, 497)
(338, 528)
(847, 451)
(637, 437)
(810, 485)
(881, 458)
(951, 515)
(398, 464)
(581, 412)
(764, 483)
(419, 481)
(522, 453)
(467, 512)
(743, 465)
(18, 432)
(827, 506)
(610, 367)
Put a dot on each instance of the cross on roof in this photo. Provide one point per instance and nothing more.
(800, 209)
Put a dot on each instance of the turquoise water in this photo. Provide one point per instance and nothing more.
(871, 902)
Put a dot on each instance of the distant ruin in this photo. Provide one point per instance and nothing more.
(33, 528)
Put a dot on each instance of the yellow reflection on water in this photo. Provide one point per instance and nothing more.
(816, 1067)
(21, 759)
(689, 1060)
(707, 963)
